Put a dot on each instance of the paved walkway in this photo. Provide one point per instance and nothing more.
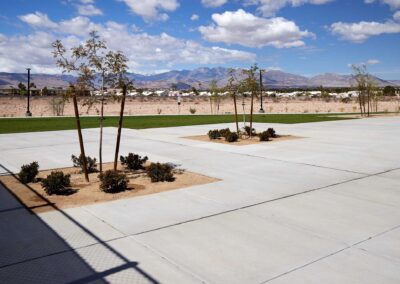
(323, 209)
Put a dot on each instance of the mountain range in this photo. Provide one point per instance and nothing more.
(199, 78)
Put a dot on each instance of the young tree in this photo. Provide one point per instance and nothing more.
(75, 62)
(250, 83)
(360, 76)
(366, 86)
(232, 88)
(95, 49)
(117, 64)
(214, 94)
(21, 88)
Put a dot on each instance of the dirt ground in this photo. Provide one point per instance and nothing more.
(243, 141)
(35, 198)
(44, 106)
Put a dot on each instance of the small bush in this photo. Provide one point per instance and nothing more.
(247, 131)
(232, 137)
(345, 100)
(264, 136)
(224, 132)
(90, 163)
(160, 172)
(272, 133)
(214, 134)
(29, 172)
(56, 183)
(133, 161)
(192, 110)
(113, 181)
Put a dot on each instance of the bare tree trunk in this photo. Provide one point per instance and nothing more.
(251, 113)
(121, 117)
(211, 108)
(368, 97)
(236, 114)
(359, 100)
(78, 126)
(101, 125)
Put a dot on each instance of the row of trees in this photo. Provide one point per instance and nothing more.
(90, 62)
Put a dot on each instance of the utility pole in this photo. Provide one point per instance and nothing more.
(28, 112)
(261, 93)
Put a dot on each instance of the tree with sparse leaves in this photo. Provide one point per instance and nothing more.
(250, 84)
(366, 87)
(75, 61)
(117, 64)
(233, 88)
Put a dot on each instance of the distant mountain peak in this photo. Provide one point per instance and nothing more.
(199, 77)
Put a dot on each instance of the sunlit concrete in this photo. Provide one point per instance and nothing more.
(321, 209)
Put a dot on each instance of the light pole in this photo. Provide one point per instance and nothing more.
(261, 94)
(28, 112)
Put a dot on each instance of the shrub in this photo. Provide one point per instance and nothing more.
(160, 172)
(192, 110)
(113, 181)
(90, 163)
(56, 183)
(224, 132)
(247, 131)
(345, 100)
(214, 134)
(264, 136)
(29, 172)
(232, 137)
(272, 133)
(133, 161)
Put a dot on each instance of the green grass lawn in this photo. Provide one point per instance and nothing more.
(17, 125)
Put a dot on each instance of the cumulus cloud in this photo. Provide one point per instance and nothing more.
(396, 16)
(38, 20)
(89, 10)
(270, 7)
(249, 30)
(360, 32)
(213, 3)
(394, 4)
(194, 17)
(152, 9)
(373, 62)
(146, 52)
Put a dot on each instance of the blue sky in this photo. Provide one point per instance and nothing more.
(306, 37)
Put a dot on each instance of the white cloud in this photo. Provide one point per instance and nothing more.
(373, 62)
(360, 32)
(146, 52)
(213, 3)
(396, 16)
(89, 10)
(38, 20)
(246, 29)
(369, 62)
(394, 4)
(194, 17)
(152, 9)
(270, 7)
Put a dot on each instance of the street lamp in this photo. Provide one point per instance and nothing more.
(28, 112)
(261, 94)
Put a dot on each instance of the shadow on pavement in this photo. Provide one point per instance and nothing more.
(32, 252)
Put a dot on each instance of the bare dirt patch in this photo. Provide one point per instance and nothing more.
(243, 141)
(34, 197)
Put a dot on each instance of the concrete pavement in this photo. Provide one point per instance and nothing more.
(323, 209)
